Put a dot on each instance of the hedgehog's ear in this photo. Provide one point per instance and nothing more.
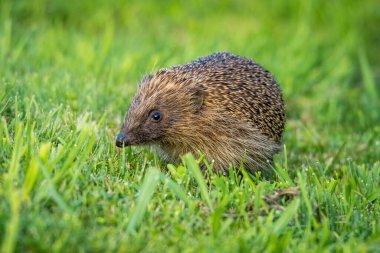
(197, 97)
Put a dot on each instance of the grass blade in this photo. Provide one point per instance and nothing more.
(286, 217)
(190, 162)
(177, 190)
(147, 189)
(368, 79)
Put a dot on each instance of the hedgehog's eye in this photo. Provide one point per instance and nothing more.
(155, 116)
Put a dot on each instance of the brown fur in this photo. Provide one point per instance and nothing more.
(226, 106)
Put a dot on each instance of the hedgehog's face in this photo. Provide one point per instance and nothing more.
(159, 109)
(144, 125)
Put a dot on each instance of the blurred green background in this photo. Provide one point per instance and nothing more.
(64, 62)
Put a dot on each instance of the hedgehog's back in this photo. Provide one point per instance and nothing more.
(238, 87)
(211, 62)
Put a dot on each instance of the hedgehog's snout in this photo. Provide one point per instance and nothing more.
(122, 140)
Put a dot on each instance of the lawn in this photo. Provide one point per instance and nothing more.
(68, 71)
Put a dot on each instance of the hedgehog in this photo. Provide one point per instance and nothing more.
(226, 107)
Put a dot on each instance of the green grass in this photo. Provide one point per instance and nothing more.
(68, 72)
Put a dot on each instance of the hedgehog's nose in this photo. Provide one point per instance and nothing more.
(121, 140)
